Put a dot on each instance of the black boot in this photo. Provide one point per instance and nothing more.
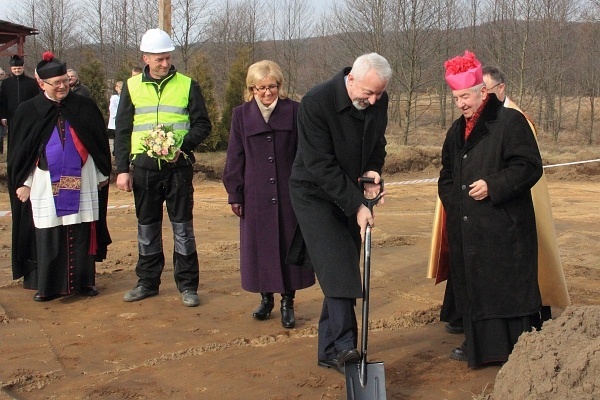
(266, 306)
(288, 320)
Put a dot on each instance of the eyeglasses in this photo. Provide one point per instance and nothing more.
(58, 84)
(492, 88)
(263, 89)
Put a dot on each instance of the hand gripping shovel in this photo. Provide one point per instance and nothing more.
(364, 380)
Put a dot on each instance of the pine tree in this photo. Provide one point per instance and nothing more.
(92, 75)
(234, 90)
(200, 72)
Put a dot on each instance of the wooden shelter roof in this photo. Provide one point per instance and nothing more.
(14, 34)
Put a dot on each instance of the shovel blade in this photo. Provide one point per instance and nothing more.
(373, 388)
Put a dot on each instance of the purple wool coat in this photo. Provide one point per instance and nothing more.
(259, 162)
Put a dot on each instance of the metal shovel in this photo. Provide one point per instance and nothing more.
(366, 380)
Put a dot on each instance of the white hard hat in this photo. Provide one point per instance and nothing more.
(156, 41)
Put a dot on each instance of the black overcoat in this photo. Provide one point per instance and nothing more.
(257, 171)
(337, 145)
(32, 126)
(15, 90)
(493, 242)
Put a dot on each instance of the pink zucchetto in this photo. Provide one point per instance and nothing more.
(463, 72)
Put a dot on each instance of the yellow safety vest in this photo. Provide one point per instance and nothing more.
(166, 106)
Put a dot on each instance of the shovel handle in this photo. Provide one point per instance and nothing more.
(370, 203)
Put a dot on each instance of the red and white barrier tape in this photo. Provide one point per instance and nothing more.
(411, 182)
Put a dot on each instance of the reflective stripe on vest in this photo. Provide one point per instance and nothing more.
(156, 104)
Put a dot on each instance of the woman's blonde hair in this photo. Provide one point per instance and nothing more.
(260, 71)
(119, 84)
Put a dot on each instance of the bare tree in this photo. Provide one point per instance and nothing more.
(293, 24)
(360, 25)
(190, 18)
(57, 22)
(413, 22)
(448, 20)
(554, 49)
(228, 30)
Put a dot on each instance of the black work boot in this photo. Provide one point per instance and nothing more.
(266, 306)
(288, 320)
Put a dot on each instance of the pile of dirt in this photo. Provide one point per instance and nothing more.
(562, 361)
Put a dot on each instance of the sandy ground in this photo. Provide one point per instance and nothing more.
(105, 348)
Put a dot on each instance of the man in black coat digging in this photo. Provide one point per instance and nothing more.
(341, 128)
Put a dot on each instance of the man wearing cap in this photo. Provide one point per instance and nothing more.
(490, 162)
(551, 278)
(15, 90)
(58, 168)
(161, 96)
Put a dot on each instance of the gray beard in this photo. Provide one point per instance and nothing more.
(357, 104)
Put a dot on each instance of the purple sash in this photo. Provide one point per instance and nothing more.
(64, 164)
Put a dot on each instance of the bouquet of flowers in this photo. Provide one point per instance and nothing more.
(161, 143)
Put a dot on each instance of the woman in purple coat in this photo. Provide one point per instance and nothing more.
(262, 145)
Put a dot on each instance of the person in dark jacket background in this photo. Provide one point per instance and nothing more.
(76, 85)
(341, 128)
(262, 146)
(490, 162)
(15, 89)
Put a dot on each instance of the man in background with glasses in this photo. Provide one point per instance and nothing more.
(76, 85)
(551, 277)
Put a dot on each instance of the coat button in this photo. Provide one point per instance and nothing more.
(272, 180)
(269, 139)
(274, 200)
(465, 218)
(463, 187)
(465, 156)
(270, 159)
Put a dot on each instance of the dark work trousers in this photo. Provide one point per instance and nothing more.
(152, 188)
(337, 327)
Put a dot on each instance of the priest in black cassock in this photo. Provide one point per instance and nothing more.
(58, 169)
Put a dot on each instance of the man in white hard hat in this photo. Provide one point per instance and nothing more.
(161, 96)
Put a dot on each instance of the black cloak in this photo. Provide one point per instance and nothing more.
(31, 128)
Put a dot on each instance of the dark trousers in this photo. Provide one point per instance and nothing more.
(337, 327)
(151, 188)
